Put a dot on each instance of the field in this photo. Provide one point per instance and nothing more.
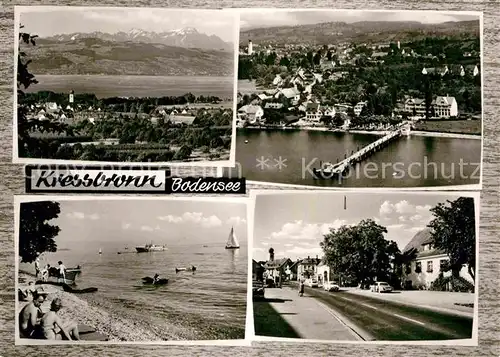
(472, 127)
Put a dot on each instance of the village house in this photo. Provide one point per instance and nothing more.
(342, 108)
(275, 269)
(257, 271)
(273, 105)
(445, 107)
(178, 119)
(324, 272)
(313, 112)
(307, 268)
(291, 270)
(358, 108)
(51, 107)
(429, 262)
(278, 81)
(292, 94)
(251, 113)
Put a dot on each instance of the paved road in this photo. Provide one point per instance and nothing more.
(388, 320)
(310, 318)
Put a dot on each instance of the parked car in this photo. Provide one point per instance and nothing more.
(381, 287)
(331, 286)
(258, 290)
(312, 283)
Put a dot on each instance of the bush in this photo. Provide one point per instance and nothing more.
(452, 283)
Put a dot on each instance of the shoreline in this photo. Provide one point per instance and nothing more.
(372, 132)
(88, 310)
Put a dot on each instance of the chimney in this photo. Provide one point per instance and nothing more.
(271, 254)
(308, 257)
(316, 257)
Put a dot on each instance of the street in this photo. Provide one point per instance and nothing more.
(347, 316)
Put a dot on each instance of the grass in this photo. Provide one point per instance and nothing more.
(472, 127)
(268, 322)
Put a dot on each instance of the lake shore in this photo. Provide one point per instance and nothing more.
(88, 310)
(371, 132)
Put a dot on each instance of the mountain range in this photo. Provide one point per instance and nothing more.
(366, 31)
(187, 38)
(93, 56)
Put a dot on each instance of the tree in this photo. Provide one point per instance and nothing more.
(454, 231)
(36, 235)
(360, 251)
(29, 146)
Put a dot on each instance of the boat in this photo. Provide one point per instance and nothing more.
(232, 241)
(100, 251)
(70, 289)
(149, 281)
(192, 268)
(150, 248)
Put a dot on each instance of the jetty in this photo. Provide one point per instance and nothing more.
(329, 170)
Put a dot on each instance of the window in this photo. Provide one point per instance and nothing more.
(429, 266)
(418, 267)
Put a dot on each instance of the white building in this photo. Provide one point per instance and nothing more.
(445, 107)
(250, 47)
(313, 112)
(251, 113)
(358, 108)
(427, 265)
(307, 268)
(324, 272)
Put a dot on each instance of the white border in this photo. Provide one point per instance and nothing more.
(21, 160)
(479, 14)
(18, 199)
(473, 341)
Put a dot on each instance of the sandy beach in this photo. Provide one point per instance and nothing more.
(85, 309)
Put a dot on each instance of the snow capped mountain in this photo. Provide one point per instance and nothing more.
(188, 37)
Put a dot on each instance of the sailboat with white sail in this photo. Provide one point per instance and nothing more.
(232, 241)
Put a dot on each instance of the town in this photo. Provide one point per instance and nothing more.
(432, 83)
(184, 128)
(426, 281)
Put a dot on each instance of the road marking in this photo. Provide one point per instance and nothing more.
(408, 319)
(371, 307)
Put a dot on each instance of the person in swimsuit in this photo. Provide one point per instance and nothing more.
(29, 317)
(37, 267)
(62, 272)
(156, 278)
(53, 328)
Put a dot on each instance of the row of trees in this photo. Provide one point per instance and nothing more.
(360, 254)
(121, 104)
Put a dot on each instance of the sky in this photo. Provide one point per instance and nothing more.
(294, 224)
(259, 19)
(46, 23)
(117, 222)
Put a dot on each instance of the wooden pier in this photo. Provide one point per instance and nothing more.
(329, 170)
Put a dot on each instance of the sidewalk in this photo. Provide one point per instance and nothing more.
(433, 300)
(309, 317)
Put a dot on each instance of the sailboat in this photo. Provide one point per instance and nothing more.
(232, 242)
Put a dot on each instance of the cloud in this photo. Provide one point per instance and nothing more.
(304, 252)
(236, 221)
(146, 229)
(126, 225)
(405, 211)
(299, 230)
(265, 243)
(81, 215)
(193, 218)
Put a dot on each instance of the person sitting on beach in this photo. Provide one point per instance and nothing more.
(62, 272)
(45, 273)
(30, 290)
(156, 278)
(29, 317)
(53, 328)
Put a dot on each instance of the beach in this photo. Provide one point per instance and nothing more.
(87, 311)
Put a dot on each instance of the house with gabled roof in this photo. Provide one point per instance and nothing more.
(445, 107)
(428, 263)
(314, 113)
(307, 268)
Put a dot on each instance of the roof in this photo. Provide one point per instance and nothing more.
(290, 92)
(421, 238)
(250, 109)
(188, 119)
(273, 105)
(415, 101)
(309, 260)
(312, 106)
(444, 100)
(276, 263)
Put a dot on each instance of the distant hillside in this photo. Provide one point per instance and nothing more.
(96, 56)
(337, 32)
(187, 38)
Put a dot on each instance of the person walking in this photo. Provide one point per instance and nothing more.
(301, 288)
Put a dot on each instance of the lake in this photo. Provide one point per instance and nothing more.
(212, 300)
(414, 161)
(136, 86)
